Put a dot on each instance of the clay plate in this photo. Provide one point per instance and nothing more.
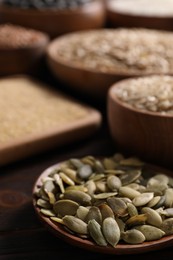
(120, 249)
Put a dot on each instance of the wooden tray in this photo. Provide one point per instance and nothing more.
(35, 117)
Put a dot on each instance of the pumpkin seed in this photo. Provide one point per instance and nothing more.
(94, 213)
(47, 212)
(79, 196)
(111, 231)
(106, 211)
(151, 232)
(65, 207)
(133, 236)
(84, 172)
(167, 226)
(75, 224)
(118, 206)
(95, 232)
(113, 183)
(143, 199)
(82, 212)
(66, 179)
(128, 192)
(43, 203)
(136, 220)
(153, 217)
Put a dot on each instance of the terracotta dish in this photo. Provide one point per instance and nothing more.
(56, 22)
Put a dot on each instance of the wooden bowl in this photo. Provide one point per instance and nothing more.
(117, 18)
(56, 22)
(24, 58)
(94, 84)
(147, 134)
(91, 61)
(121, 248)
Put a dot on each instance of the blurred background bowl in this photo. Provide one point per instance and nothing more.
(54, 21)
(89, 62)
(156, 14)
(92, 83)
(142, 132)
(22, 50)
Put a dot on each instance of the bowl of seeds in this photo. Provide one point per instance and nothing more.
(115, 204)
(157, 14)
(54, 17)
(21, 49)
(140, 116)
(91, 61)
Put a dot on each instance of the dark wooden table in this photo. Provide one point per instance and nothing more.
(22, 235)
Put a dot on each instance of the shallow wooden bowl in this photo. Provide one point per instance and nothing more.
(147, 134)
(120, 249)
(116, 18)
(93, 83)
(56, 22)
(81, 62)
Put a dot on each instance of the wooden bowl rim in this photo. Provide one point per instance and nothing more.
(52, 55)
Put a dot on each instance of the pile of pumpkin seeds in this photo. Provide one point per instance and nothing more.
(112, 200)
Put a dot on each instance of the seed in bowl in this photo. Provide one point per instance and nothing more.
(119, 51)
(152, 93)
(108, 201)
(15, 36)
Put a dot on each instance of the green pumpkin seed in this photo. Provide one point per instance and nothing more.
(167, 226)
(95, 232)
(75, 224)
(128, 192)
(80, 197)
(143, 199)
(136, 220)
(113, 183)
(106, 211)
(153, 217)
(66, 179)
(43, 203)
(111, 231)
(47, 212)
(82, 212)
(133, 236)
(150, 232)
(94, 213)
(84, 172)
(132, 210)
(118, 206)
(65, 207)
